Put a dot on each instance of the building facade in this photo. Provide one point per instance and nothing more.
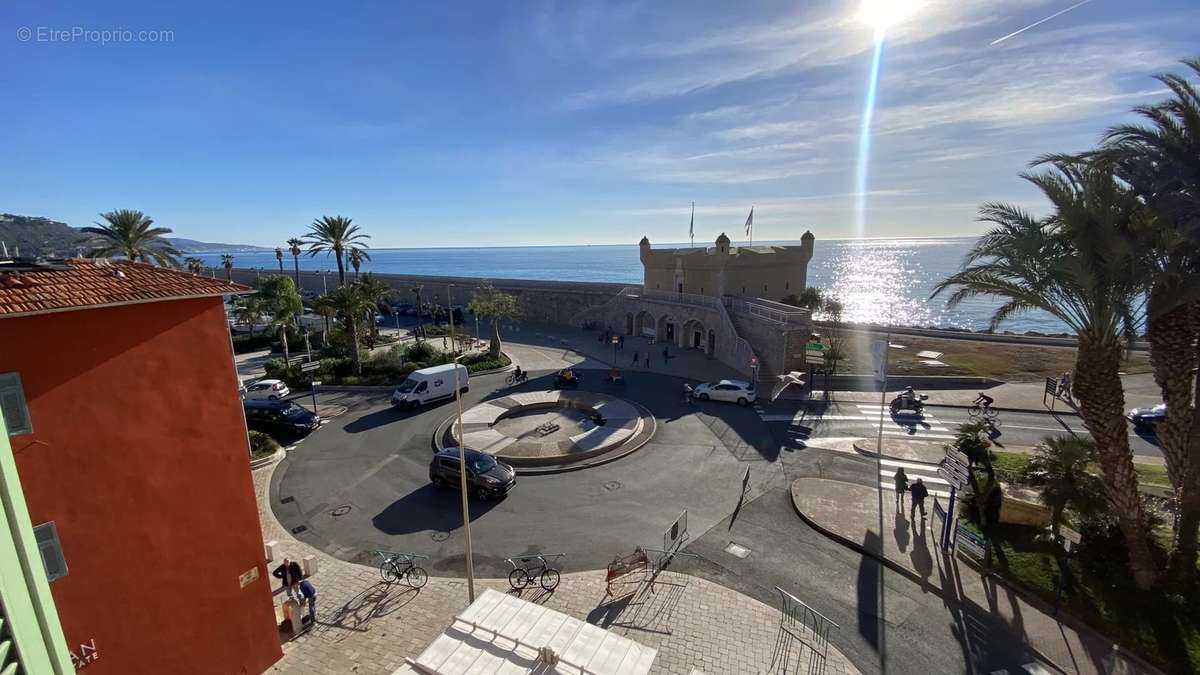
(773, 272)
(127, 434)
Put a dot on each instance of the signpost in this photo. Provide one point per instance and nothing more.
(1069, 538)
(955, 469)
(615, 341)
(754, 370)
(972, 544)
(814, 351)
(1050, 391)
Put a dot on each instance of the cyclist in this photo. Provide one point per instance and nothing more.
(984, 401)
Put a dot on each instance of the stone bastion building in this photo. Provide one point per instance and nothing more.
(722, 300)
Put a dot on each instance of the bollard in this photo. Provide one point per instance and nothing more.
(271, 549)
(309, 565)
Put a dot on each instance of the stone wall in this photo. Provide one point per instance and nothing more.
(547, 301)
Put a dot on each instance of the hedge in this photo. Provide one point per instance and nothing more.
(262, 445)
(387, 368)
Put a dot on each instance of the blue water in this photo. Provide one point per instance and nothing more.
(882, 281)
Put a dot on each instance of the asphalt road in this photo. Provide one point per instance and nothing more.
(374, 460)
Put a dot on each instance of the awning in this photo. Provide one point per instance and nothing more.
(501, 633)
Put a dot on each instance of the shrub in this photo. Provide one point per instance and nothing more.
(419, 352)
(483, 361)
(262, 445)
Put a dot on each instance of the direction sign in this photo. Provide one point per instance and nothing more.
(971, 543)
(958, 456)
(310, 366)
(1070, 535)
(955, 481)
(316, 383)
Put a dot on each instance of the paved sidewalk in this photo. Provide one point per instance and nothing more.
(850, 513)
(365, 626)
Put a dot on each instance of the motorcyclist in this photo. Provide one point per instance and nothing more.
(908, 397)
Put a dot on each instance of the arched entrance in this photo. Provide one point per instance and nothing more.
(694, 335)
(644, 324)
(668, 330)
(629, 323)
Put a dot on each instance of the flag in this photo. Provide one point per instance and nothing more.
(750, 222)
(692, 225)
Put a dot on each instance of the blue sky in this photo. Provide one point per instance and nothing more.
(557, 122)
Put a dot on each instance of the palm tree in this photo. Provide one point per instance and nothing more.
(497, 306)
(249, 311)
(1161, 161)
(1074, 264)
(334, 234)
(351, 302)
(294, 245)
(227, 263)
(323, 305)
(279, 297)
(279, 257)
(193, 264)
(1059, 470)
(357, 256)
(132, 234)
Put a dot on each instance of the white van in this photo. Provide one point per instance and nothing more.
(430, 384)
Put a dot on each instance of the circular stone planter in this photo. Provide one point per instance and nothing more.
(508, 427)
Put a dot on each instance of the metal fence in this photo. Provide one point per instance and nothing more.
(807, 625)
(766, 310)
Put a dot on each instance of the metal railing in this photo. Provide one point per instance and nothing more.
(766, 310)
(808, 626)
(737, 351)
(694, 299)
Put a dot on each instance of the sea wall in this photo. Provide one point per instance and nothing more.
(549, 301)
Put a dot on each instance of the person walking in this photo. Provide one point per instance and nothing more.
(621, 343)
(919, 492)
(635, 359)
(901, 479)
(666, 353)
(310, 594)
(647, 360)
(687, 393)
(289, 575)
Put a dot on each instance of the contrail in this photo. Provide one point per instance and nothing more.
(1038, 23)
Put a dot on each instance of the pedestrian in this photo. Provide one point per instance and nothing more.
(647, 360)
(687, 393)
(635, 359)
(444, 343)
(919, 492)
(1064, 385)
(621, 343)
(901, 485)
(666, 353)
(289, 575)
(310, 594)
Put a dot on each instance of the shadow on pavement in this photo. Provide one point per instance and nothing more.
(427, 508)
(375, 602)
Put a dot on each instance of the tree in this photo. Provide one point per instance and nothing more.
(1059, 471)
(193, 264)
(810, 298)
(279, 257)
(357, 256)
(294, 245)
(351, 302)
(249, 311)
(335, 234)
(227, 263)
(1161, 161)
(833, 310)
(132, 234)
(375, 291)
(279, 297)
(1075, 265)
(498, 306)
(324, 306)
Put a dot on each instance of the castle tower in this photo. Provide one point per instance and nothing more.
(644, 249)
(722, 244)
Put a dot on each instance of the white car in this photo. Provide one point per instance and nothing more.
(733, 391)
(269, 389)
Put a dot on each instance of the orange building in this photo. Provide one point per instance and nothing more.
(120, 397)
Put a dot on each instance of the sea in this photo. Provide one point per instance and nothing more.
(879, 281)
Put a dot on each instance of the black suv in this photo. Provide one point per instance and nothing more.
(486, 477)
(284, 420)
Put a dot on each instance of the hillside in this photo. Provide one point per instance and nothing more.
(33, 236)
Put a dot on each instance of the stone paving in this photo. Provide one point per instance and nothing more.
(365, 626)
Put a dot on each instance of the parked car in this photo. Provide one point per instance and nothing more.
(267, 389)
(1145, 419)
(430, 384)
(487, 477)
(283, 420)
(733, 391)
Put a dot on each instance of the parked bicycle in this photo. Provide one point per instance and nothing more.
(534, 569)
(397, 566)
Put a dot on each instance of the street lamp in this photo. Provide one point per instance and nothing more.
(417, 291)
(462, 462)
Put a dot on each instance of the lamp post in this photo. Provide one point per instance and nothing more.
(417, 290)
(462, 464)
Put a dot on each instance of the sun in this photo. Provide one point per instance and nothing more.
(883, 14)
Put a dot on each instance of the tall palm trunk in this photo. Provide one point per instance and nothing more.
(353, 321)
(494, 347)
(337, 253)
(296, 263)
(283, 342)
(1171, 335)
(1101, 398)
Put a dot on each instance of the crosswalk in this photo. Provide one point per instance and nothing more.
(936, 485)
(866, 419)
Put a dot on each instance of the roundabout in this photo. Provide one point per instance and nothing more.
(551, 429)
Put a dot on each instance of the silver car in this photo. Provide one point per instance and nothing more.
(733, 391)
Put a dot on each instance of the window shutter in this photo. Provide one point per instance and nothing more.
(46, 535)
(12, 403)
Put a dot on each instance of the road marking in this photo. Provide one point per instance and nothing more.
(928, 478)
(919, 435)
(919, 466)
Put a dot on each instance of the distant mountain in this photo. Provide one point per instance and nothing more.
(33, 236)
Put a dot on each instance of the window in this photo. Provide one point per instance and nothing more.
(421, 388)
(46, 536)
(12, 403)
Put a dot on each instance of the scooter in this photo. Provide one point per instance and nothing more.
(916, 405)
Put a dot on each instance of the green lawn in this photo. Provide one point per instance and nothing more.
(1010, 464)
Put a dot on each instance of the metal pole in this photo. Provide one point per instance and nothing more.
(316, 410)
(946, 531)
(462, 466)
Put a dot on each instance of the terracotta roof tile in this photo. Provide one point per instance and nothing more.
(88, 283)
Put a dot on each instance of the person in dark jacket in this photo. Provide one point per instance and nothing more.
(901, 479)
(289, 575)
(310, 594)
(919, 492)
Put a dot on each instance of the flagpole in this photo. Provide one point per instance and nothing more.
(692, 227)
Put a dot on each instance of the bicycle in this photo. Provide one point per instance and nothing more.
(534, 567)
(985, 413)
(397, 566)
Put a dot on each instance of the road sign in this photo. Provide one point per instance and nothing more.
(971, 543)
(616, 339)
(954, 479)
(316, 383)
(815, 347)
(958, 456)
(878, 359)
(310, 366)
(1070, 535)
